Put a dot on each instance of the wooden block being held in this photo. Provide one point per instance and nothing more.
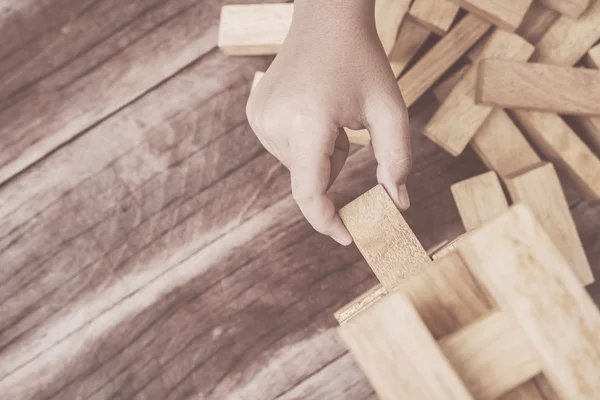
(570, 8)
(541, 87)
(505, 14)
(410, 39)
(435, 15)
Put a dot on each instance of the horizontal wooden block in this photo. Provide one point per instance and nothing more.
(479, 199)
(592, 58)
(459, 118)
(502, 147)
(505, 14)
(360, 137)
(570, 8)
(527, 275)
(410, 39)
(383, 237)
(511, 84)
(443, 89)
(541, 190)
(536, 22)
(435, 15)
(423, 75)
(388, 17)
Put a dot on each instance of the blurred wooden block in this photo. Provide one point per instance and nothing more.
(360, 137)
(541, 87)
(541, 190)
(388, 17)
(257, 77)
(537, 21)
(479, 199)
(443, 89)
(502, 147)
(567, 40)
(435, 15)
(562, 146)
(527, 275)
(592, 58)
(570, 8)
(360, 303)
(449, 247)
(383, 237)
(425, 73)
(505, 14)
(459, 118)
(410, 39)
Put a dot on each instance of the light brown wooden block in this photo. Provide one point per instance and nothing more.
(502, 147)
(479, 199)
(590, 126)
(570, 8)
(257, 77)
(435, 15)
(443, 89)
(410, 39)
(568, 40)
(540, 189)
(254, 29)
(459, 118)
(388, 17)
(360, 303)
(449, 247)
(398, 354)
(360, 137)
(383, 237)
(442, 56)
(527, 275)
(592, 58)
(537, 21)
(541, 87)
(562, 146)
(505, 14)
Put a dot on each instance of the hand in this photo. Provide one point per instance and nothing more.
(331, 72)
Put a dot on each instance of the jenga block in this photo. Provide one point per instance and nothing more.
(388, 17)
(562, 146)
(511, 84)
(254, 29)
(592, 58)
(360, 137)
(479, 199)
(383, 237)
(443, 89)
(398, 354)
(570, 8)
(568, 40)
(505, 14)
(435, 15)
(410, 39)
(528, 276)
(442, 56)
(458, 118)
(449, 247)
(540, 189)
(257, 77)
(590, 126)
(360, 303)
(502, 147)
(537, 21)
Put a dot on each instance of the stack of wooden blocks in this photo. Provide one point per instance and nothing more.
(500, 312)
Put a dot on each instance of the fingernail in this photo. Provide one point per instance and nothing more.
(344, 241)
(403, 197)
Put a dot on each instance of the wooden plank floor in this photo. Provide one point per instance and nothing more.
(149, 246)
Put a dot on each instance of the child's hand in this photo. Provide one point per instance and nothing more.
(331, 72)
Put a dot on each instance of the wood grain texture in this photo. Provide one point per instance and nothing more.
(540, 189)
(441, 57)
(505, 14)
(443, 89)
(388, 18)
(479, 199)
(459, 118)
(512, 84)
(411, 38)
(383, 237)
(570, 8)
(435, 15)
(536, 22)
(502, 147)
(528, 276)
(399, 355)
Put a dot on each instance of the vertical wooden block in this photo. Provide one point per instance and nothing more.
(590, 126)
(527, 275)
(398, 354)
(435, 15)
(383, 237)
(388, 17)
(505, 14)
(410, 39)
(443, 89)
(540, 189)
(459, 118)
(442, 56)
(537, 21)
(479, 199)
(360, 137)
(570, 8)
(502, 147)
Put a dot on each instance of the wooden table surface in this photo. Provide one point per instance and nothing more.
(149, 246)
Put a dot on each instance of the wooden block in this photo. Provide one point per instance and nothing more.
(541, 190)
(459, 118)
(449, 248)
(383, 237)
(435, 15)
(410, 39)
(479, 199)
(568, 40)
(443, 89)
(528, 276)
(360, 303)
(388, 17)
(537, 21)
(398, 354)
(505, 14)
(442, 56)
(254, 29)
(562, 146)
(257, 77)
(512, 84)
(360, 137)
(570, 8)
(502, 147)
(590, 126)
(592, 58)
